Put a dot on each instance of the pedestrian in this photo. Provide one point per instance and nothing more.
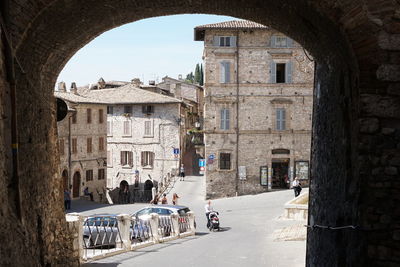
(164, 199)
(175, 199)
(155, 200)
(287, 181)
(67, 199)
(208, 209)
(182, 172)
(296, 187)
(87, 193)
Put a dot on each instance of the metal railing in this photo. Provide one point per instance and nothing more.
(101, 236)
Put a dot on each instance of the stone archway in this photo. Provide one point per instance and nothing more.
(356, 121)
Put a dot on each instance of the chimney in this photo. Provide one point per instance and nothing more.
(101, 83)
(62, 87)
(73, 89)
(136, 82)
(178, 90)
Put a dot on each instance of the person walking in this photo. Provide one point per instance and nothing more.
(67, 199)
(164, 199)
(296, 187)
(182, 172)
(175, 199)
(155, 200)
(208, 209)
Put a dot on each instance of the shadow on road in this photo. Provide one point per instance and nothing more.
(202, 233)
(224, 229)
(95, 264)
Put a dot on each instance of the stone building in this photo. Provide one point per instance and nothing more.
(82, 138)
(143, 129)
(258, 108)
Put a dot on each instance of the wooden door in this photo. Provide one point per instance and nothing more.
(76, 185)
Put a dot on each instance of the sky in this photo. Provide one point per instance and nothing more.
(148, 49)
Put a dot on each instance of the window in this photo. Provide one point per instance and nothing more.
(74, 146)
(126, 158)
(147, 159)
(225, 161)
(100, 174)
(89, 115)
(101, 143)
(281, 42)
(127, 128)
(109, 158)
(61, 146)
(128, 109)
(281, 72)
(110, 110)
(101, 116)
(224, 119)
(225, 72)
(109, 128)
(89, 145)
(89, 175)
(74, 117)
(148, 109)
(280, 119)
(148, 130)
(225, 41)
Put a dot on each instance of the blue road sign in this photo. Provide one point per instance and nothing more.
(202, 162)
(211, 156)
(176, 151)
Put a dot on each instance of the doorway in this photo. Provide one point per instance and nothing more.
(280, 173)
(76, 185)
(65, 179)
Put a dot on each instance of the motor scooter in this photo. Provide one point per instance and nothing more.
(214, 221)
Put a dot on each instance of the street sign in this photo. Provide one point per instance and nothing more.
(211, 156)
(176, 151)
(201, 168)
(202, 162)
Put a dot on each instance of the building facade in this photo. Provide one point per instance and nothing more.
(143, 130)
(82, 138)
(258, 108)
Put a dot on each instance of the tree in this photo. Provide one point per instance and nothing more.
(190, 77)
(201, 82)
(197, 74)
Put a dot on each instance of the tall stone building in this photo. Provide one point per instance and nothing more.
(82, 143)
(258, 108)
(143, 129)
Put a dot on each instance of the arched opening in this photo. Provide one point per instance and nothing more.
(148, 185)
(76, 185)
(349, 133)
(65, 179)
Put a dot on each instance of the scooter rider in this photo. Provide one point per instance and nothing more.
(208, 209)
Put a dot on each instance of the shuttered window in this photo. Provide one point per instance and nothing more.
(126, 158)
(148, 129)
(101, 116)
(110, 110)
(74, 146)
(225, 161)
(101, 143)
(224, 41)
(147, 159)
(225, 72)
(89, 145)
(225, 119)
(128, 109)
(281, 41)
(89, 115)
(280, 119)
(281, 72)
(127, 128)
(101, 174)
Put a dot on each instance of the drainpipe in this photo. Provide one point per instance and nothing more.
(69, 183)
(237, 112)
(14, 190)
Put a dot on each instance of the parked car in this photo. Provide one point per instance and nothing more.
(162, 210)
(100, 230)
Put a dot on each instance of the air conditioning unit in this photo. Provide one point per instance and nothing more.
(148, 109)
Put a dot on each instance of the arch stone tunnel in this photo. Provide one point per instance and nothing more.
(356, 130)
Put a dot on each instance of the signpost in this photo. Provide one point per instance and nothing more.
(202, 164)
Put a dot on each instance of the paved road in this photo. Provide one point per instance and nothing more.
(246, 240)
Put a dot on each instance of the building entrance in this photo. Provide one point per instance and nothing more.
(280, 173)
(76, 185)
